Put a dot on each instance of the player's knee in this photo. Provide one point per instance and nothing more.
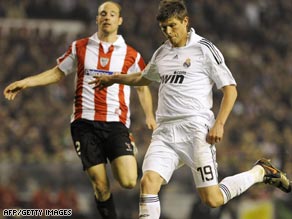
(129, 183)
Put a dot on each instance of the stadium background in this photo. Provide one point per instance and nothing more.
(38, 166)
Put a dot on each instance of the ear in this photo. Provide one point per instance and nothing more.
(186, 20)
(120, 21)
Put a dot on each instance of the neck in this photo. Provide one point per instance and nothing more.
(107, 37)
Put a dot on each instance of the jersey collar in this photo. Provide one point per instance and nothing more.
(118, 43)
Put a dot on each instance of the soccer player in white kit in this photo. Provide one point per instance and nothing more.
(187, 66)
(100, 119)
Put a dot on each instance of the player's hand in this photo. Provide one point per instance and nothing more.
(151, 123)
(101, 81)
(215, 134)
(14, 88)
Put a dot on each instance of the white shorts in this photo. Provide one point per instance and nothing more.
(177, 143)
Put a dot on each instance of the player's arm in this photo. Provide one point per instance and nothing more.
(145, 99)
(50, 76)
(135, 79)
(215, 134)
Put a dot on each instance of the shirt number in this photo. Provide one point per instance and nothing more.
(206, 173)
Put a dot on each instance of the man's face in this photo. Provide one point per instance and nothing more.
(175, 30)
(108, 18)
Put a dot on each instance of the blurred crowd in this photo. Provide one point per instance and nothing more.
(255, 37)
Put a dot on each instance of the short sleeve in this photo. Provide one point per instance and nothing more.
(68, 61)
(215, 65)
(151, 72)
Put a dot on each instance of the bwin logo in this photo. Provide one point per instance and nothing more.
(172, 79)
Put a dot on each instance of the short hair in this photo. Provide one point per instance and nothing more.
(115, 3)
(171, 8)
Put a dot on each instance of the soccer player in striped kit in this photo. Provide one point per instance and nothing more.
(187, 66)
(100, 119)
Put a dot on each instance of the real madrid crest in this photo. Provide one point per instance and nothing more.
(187, 63)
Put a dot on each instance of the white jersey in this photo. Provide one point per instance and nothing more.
(88, 57)
(187, 75)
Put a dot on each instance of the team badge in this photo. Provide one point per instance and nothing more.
(104, 61)
(187, 63)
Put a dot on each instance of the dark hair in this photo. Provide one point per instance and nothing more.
(171, 8)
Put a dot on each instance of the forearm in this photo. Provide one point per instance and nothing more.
(134, 79)
(50, 76)
(145, 99)
(227, 103)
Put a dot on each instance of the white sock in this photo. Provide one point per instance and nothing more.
(233, 186)
(149, 207)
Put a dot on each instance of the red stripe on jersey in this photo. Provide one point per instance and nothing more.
(129, 60)
(123, 106)
(100, 95)
(80, 51)
(141, 63)
(68, 52)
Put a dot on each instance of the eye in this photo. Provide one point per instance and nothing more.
(172, 25)
(103, 13)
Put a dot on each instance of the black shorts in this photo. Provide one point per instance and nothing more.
(95, 141)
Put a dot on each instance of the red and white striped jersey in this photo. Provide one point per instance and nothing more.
(87, 57)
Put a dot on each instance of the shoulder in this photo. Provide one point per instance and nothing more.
(131, 49)
(162, 51)
(210, 50)
(81, 42)
(132, 52)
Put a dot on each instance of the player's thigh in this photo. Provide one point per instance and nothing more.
(204, 165)
(162, 159)
(118, 142)
(88, 145)
(125, 170)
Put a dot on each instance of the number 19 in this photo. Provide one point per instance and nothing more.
(206, 173)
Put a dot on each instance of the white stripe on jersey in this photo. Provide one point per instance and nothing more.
(113, 91)
(91, 60)
(86, 57)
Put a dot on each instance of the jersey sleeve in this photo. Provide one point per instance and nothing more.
(151, 70)
(68, 61)
(215, 65)
(139, 64)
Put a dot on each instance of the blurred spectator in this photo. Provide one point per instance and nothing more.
(8, 196)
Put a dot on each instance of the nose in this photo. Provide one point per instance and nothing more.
(167, 30)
